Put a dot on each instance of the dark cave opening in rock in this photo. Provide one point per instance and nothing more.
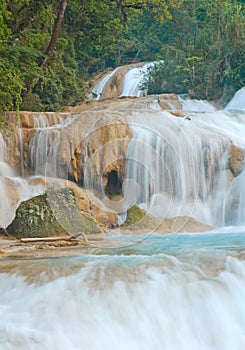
(114, 184)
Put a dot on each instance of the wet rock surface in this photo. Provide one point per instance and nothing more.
(51, 213)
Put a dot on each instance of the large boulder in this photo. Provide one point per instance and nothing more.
(51, 213)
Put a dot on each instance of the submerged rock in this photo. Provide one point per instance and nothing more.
(139, 221)
(51, 213)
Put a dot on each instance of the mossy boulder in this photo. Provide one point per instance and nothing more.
(135, 215)
(51, 213)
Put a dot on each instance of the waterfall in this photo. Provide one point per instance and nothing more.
(178, 166)
(13, 189)
(175, 166)
(133, 80)
(44, 145)
(196, 105)
(143, 291)
(21, 142)
(97, 90)
(5, 171)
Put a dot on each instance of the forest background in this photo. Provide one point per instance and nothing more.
(50, 50)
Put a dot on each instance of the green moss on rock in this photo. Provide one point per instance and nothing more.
(51, 213)
(134, 215)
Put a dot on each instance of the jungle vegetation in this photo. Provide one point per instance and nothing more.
(51, 49)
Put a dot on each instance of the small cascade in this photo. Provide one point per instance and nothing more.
(97, 90)
(179, 166)
(13, 189)
(44, 146)
(133, 80)
(196, 106)
(5, 169)
(21, 143)
(238, 101)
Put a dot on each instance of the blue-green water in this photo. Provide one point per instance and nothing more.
(225, 239)
(159, 292)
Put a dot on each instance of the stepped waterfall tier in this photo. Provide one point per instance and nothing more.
(136, 168)
(123, 81)
(171, 157)
(185, 167)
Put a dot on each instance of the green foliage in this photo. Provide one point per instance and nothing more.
(203, 54)
(4, 123)
(4, 15)
(11, 86)
(201, 42)
(91, 36)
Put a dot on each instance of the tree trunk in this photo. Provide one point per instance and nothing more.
(51, 46)
(55, 34)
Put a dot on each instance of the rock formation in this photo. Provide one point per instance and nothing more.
(236, 160)
(51, 213)
(88, 145)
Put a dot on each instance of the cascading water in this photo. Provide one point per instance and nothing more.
(172, 292)
(97, 90)
(44, 145)
(179, 166)
(133, 79)
(149, 292)
(13, 189)
(238, 101)
(196, 105)
(44, 138)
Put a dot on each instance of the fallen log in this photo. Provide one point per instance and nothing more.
(80, 236)
(46, 239)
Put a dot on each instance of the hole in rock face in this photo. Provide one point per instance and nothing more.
(114, 184)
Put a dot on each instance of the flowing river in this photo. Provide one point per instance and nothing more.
(173, 292)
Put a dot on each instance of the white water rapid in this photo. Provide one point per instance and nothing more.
(171, 293)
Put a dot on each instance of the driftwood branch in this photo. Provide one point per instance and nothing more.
(45, 239)
(55, 239)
